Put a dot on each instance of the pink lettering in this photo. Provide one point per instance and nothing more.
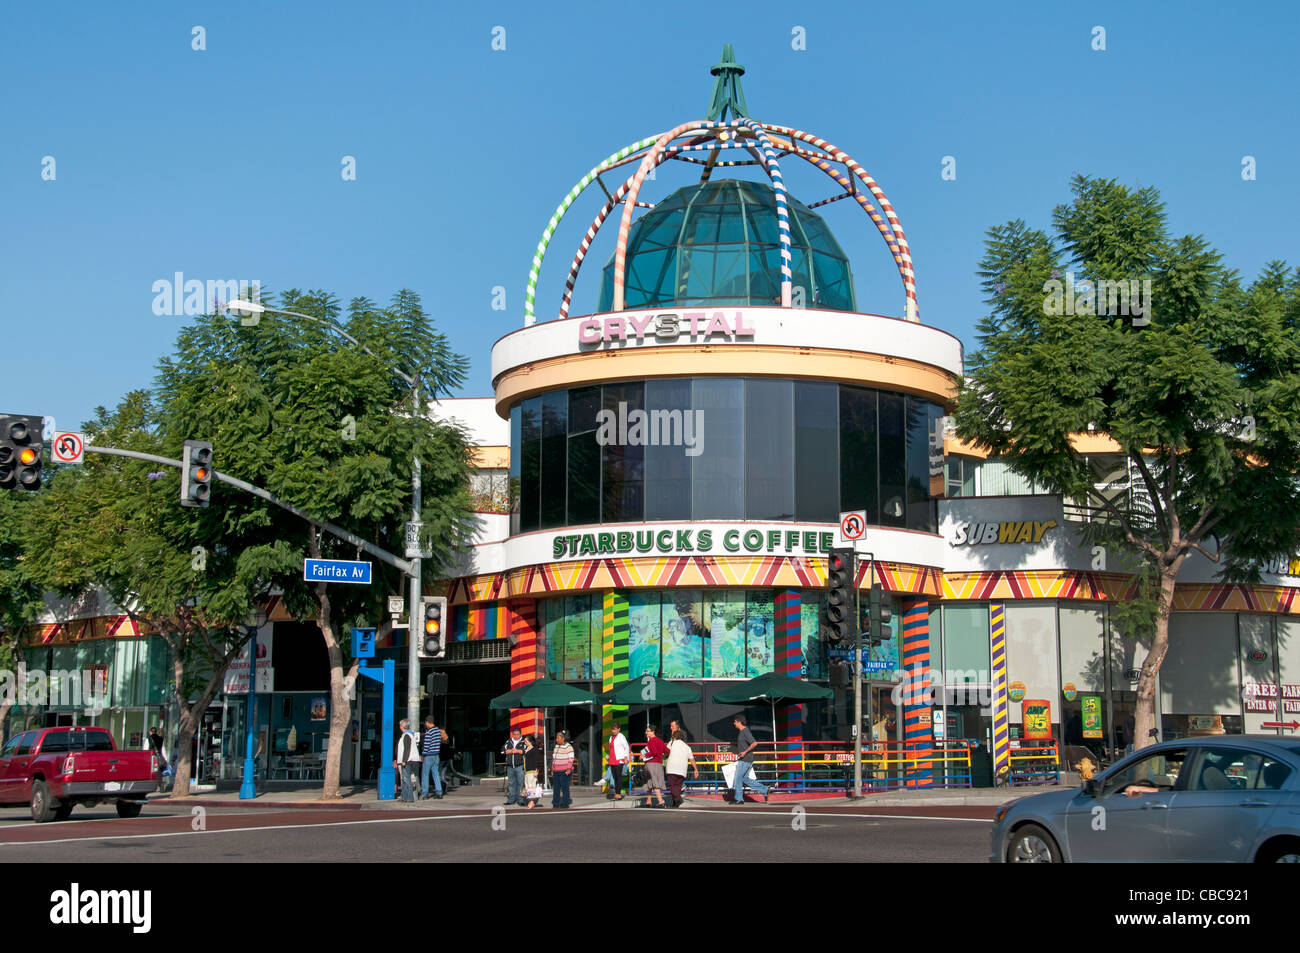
(615, 329)
(718, 326)
(741, 330)
(638, 327)
(589, 332)
(695, 317)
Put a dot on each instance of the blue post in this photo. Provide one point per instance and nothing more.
(248, 789)
(388, 678)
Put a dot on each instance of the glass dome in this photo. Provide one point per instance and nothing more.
(718, 243)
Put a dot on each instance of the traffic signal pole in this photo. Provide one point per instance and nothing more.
(857, 681)
(415, 634)
(381, 554)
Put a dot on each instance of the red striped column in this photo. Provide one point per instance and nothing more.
(918, 738)
(527, 660)
(789, 661)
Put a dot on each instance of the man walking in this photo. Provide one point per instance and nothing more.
(408, 759)
(431, 749)
(745, 745)
(514, 754)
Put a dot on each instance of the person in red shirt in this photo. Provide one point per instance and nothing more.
(653, 754)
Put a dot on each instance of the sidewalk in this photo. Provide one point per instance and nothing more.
(490, 793)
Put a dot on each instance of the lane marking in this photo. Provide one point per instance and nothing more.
(447, 817)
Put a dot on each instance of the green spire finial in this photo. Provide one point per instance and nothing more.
(727, 93)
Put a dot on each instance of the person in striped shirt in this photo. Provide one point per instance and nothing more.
(562, 765)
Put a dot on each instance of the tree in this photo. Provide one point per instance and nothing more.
(20, 596)
(1113, 325)
(116, 525)
(328, 428)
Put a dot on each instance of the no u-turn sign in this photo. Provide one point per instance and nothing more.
(67, 447)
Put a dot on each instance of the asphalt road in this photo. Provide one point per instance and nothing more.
(752, 833)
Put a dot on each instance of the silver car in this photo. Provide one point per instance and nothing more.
(1224, 798)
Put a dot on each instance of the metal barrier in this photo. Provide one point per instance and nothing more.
(1034, 762)
(827, 766)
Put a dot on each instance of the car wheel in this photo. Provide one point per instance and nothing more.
(43, 806)
(1032, 845)
(129, 808)
(1285, 852)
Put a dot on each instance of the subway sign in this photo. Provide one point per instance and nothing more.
(666, 327)
(687, 541)
(1007, 531)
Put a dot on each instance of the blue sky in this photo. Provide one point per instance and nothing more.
(225, 163)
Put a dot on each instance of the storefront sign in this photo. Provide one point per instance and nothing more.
(1262, 697)
(1016, 691)
(1091, 716)
(936, 723)
(1258, 656)
(682, 541)
(236, 679)
(1069, 691)
(667, 327)
(1008, 531)
(1036, 715)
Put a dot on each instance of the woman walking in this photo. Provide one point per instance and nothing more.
(532, 767)
(562, 770)
(679, 756)
(653, 755)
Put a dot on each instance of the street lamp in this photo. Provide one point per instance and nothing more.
(248, 788)
(416, 590)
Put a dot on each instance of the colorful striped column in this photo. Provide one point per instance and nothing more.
(614, 646)
(914, 649)
(527, 661)
(998, 646)
(789, 661)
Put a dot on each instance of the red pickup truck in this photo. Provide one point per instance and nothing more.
(55, 769)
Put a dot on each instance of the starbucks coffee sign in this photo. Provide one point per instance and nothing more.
(692, 541)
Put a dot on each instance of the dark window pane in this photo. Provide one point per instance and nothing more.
(555, 418)
(622, 462)
(530, 478)
(516, 461)
(584, 404)
(584, 479)
(859, 489)
(893, 460)
(816, 452)
(918, 464)
(718, 484)
(673, 439)
(769, 450)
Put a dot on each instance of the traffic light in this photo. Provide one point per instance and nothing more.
(841, 596)
(20, 452)
(433, 612)
(879, 630)
(196, 473)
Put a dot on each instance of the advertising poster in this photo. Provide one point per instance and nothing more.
(726, 628)
(683, 629)
(760, 636)
(1037, 719)
(1091, 716)
(643, 630)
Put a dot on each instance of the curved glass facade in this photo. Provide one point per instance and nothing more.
(720, 448)
(718, 243)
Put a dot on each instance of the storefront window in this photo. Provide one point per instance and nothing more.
(816, 451)
(893, 459)
(643, 633)
(810, 620)
(555, 420)
(667, 463)
(1085, 716)
(1031, 654)
(719, 470)
(725, 634)
(859, 452)
(583, 476)
(530, 453)
(769, 449)
(1200, 691)
(966, 645)
(760, 635)
(623, 465)
(683, 631)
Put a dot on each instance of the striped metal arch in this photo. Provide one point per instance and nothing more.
(767, 151)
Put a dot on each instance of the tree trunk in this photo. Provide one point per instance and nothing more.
(1144, 717)
(191, 719)
(181, 753)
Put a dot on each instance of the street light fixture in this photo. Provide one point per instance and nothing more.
(248, 788)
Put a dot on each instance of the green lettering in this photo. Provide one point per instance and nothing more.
(827, 541)
(588, 545)
(705, 540)
(644, 541)
(731, 542)
(557, 547)
(753, 541)
(605, 542)
(624, 542)
(662, 544)
(773, 539)
(684, 541)
(791, 541)
(810, 542)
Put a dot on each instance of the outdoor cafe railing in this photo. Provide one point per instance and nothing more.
(827, 766)
(1034, 763)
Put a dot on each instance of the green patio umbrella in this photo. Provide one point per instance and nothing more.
(544, 693)
(772, 687)
(649, 690)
